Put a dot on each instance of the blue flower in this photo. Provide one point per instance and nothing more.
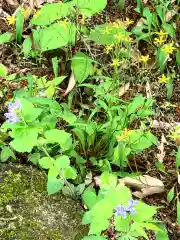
(123, 210)
(13, 109)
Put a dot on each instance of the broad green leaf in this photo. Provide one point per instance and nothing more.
(169, 29)
(121, 225)
(53, 171)
(87, 218)
(46, 162)
(49, 122)
(56, 81)
(160, 12)
(142, 208)
(59, 136)
(27, 46)
(81, 136)
(34, 157)
(137, 230)
(6, 37)
(89, 7)
(162, 235)
(62, 162)
(107, 180)
(70, 173)
(51, 12)
(50, 91)
(19, 25)
(68, 116)
(24, 139)
(120, 155)
(89, 197)
(56, 36)
(81, 66)
(6, 153)
(3, 71)
(54, 185)
(137, 102)
(170, 195)
(96, 227)
(178, 158)
(149, 17)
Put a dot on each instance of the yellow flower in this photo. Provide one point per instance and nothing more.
(161, 33)
(82, 20)
(159, 41)
(127, 39)
(26, 12)
(168, 48)
(11, 20)
(119, 37)
(163, 79)
(115, 63)
(106, 30)
(125, 134)
(109, 48)
(64, 23)
(144, 59)
(129, 21)
(37, 14)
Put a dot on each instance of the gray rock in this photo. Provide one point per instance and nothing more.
(27, 213)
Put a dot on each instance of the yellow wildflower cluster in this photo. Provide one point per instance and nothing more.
(109, 48)
(125, 134)
(26, 12)
(144, 59)
(118, 24)
(122, 37)
(164, 79)
(161, 38)
(129, 21)
(107, 30)
(11, 20)
(168, 48)
(115, 62)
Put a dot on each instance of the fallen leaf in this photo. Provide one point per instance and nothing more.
(161, 155)
(143, 185)
(71, 84)
(123, 89)
(148, 90)
(171, 13)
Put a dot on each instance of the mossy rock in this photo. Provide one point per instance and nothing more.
(26, 212)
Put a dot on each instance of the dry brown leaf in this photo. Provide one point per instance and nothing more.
(144, 185)
(162, 153)
(71, 84)
(148, 90)
(171, 13)
(123, 89)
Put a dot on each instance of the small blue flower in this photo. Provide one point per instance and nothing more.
(13, 109)
(123, 210)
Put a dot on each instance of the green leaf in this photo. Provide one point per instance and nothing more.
(178, 57)
(137, 102)
(138, 231)
(121, 225)
(27, 46)
(70, 173)
(51, 12)
(27, 136)
(3, 71)
(169, 89)
(6, 153)
(34, 157)
(58, 80)
(89, 197)
(140, 6)
(160, 12)
(178, 211)
(46, 162)
(89, 7)
(81, 66)
(6, 37)
(149, 17)
(29, 112)
(121, 4)
(56, 36)
(55, 63)
(162, 59)
(19, 25)
(170, 195)
(178, 158)
(87, 218)
(53, 171)
(59, 136)
(142, 208)
(54, 185)
(96, 227)
(162, 235)
(62, 162)
(169, 29)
